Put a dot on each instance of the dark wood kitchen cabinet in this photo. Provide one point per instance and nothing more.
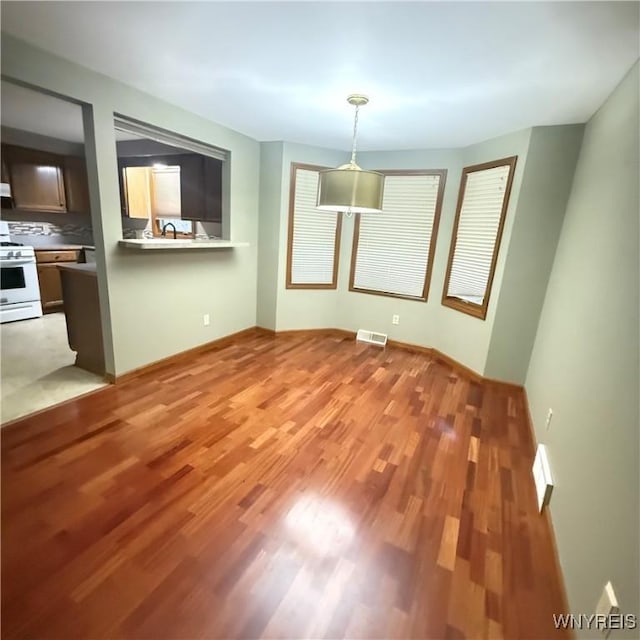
(5, 201)
(47, 262)
(76, 184)
(192, 191)
(36, 178)
(201, 188)
(5, 170)
(213, 190)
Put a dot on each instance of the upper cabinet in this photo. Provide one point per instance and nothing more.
(213, 190)
(5, 170)
(36, 179)
(42, 181)
(135, 196)
(192, 187)
(76, 184)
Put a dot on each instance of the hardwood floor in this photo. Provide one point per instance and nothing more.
(281, 487)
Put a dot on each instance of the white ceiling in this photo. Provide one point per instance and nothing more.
(439, 74)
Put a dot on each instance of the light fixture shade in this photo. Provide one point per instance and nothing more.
(349, 188)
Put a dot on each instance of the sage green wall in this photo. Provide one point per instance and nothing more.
(152, 303)
(302, 308)
(584, 363)
(550, 164)
(271, 171)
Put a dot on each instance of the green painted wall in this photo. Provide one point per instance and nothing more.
(288, 309)
(550, 164)
(584, 363)
(271, 174)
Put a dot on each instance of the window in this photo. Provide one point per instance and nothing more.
(393, 251)
(314, 236)
(165, 193)
(482, 206)
(154, 193)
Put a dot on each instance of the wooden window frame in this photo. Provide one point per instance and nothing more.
(472, 308)
(432, 244)
(336, 249)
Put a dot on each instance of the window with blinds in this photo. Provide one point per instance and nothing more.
(314, 236)
(393, 251)
(165, 192)
(482, 206)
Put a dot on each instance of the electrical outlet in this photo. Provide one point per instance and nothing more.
(549, 416)
(206, 319)
(395, 319)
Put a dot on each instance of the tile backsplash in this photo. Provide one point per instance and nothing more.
(39, 233)
(42, 233)
(133, 228)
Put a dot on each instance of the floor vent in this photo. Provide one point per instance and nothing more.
(372, 337)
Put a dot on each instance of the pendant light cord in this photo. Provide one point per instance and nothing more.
(355, 131)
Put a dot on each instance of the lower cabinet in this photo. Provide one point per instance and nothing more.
(49, 276)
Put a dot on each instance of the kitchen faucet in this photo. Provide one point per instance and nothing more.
(164, 230)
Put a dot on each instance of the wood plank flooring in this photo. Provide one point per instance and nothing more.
(280, 487)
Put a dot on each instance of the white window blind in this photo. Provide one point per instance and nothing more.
(477, 233)
(166, 192)
(313, 235)
(394, 247)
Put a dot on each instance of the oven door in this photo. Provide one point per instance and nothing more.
(19, 281)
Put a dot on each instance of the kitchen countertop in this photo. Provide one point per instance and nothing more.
(60, 247)
(162, 244)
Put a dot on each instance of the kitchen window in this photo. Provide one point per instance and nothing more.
(482, 206)
(393, 251)
(314, 236)
(151, 190)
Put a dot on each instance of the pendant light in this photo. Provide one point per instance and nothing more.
(350, 188)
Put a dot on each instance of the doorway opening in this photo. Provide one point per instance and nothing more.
(48, 309)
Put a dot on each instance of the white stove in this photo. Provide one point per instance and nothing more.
(20, 295)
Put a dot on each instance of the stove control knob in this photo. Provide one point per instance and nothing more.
(10, 254)
(18, 254)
